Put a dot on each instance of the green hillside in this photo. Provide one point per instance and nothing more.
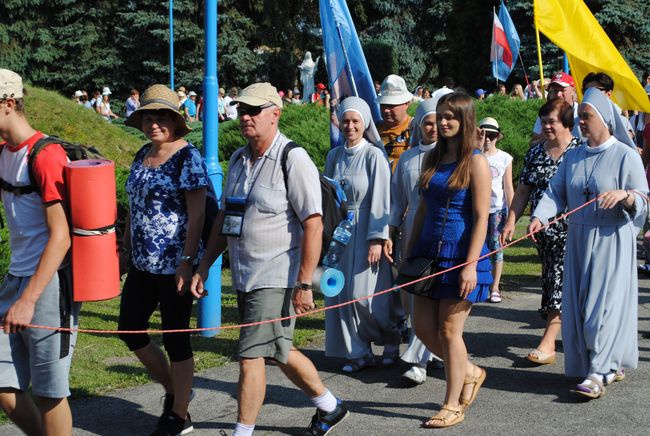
(54, 114)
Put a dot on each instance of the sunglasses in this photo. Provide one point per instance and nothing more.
(600, 88)
(491, 136)
(252, 111)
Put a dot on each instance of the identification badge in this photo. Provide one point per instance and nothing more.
(233, 221)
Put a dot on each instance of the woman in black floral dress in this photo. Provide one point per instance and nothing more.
(541, 163)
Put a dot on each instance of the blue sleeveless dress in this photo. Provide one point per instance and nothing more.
(455, 237)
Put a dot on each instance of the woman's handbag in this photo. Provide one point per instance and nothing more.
(417, 268)
(421, 266)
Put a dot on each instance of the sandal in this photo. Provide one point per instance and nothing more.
(495, 296)
(477, 381)
(390, 355)
(447, 417)
(356, 365)
(540, 357)
(591, 387)
(614, 376)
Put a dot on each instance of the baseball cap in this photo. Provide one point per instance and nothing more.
(320, 86)
(394, 91)
(563, 79)
(480, 92)
(11, 84)
(78, 93)
(191, 93)
(259, 94)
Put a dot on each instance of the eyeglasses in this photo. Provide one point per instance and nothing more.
(491, 135)
(252, 111)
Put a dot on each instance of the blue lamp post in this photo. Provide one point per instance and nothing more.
(210, 305)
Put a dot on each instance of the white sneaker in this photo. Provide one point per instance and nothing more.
(416, 374)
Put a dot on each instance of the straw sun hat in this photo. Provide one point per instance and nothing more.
(158, 97)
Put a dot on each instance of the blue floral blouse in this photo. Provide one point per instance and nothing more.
(159, 217)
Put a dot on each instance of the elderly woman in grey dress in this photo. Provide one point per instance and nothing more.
(600, 291)
(362, 170)
(404, 200)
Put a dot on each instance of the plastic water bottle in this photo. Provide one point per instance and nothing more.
(340, 240)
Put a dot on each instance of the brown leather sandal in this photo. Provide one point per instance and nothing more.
(447, 417)
(477, 381)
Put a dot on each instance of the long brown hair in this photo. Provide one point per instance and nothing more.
(462, 106)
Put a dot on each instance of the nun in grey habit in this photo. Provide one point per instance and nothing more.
(404, 201)
(361, 167)
(599, 305)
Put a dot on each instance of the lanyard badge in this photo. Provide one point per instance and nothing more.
(233, 221)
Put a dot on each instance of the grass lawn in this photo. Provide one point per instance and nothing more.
(103, 363)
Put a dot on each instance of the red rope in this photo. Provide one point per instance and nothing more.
(322, 309)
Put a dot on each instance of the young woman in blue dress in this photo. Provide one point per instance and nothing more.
(450, 226)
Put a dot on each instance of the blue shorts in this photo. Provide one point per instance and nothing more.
(38, 355)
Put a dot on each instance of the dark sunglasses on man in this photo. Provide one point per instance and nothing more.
(252, 111)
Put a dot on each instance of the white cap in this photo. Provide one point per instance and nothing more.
(394, 91)
(78, 93)
(191, 93)
(11, 84)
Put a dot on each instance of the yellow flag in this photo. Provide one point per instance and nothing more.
(570, 25)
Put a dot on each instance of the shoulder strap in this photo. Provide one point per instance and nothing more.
(31, 158)
(283, 160)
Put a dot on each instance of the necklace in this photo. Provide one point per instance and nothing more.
(586, 191)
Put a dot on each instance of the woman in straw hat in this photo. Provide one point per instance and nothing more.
(502, 192)
(166, 189)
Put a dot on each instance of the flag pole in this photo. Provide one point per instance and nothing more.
(539, 59)
(495, 62)
(524, 68)
(347, 62)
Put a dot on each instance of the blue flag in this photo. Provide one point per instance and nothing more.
(505, 45)
(347, 69)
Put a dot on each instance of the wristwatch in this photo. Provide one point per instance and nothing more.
(187, 258)
(304, 286)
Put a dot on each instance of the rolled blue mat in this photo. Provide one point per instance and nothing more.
(328, 281)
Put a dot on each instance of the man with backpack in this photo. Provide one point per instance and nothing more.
(37, 289)
(272, 226)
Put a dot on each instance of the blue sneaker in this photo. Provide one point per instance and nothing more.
(322, 423)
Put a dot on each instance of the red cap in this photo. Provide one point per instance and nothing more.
(320, 86)
(563, 79)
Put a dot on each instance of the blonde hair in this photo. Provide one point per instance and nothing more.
(462, 106)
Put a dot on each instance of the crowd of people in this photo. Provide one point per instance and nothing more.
(433, 189)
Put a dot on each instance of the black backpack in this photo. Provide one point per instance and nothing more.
(335, 207)
(211, 206)
(72, 150)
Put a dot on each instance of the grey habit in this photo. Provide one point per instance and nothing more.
(600, 290)
(364, 174)
(404, 201)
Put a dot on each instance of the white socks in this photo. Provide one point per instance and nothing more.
(243, 430)
(326, 402)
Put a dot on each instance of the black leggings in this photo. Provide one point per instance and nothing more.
(141, 294)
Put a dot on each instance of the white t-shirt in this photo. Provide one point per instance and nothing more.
(498, 163)
(231, 111)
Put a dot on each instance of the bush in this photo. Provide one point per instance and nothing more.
(516, 119)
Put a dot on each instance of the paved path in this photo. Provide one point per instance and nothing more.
(516, 399)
